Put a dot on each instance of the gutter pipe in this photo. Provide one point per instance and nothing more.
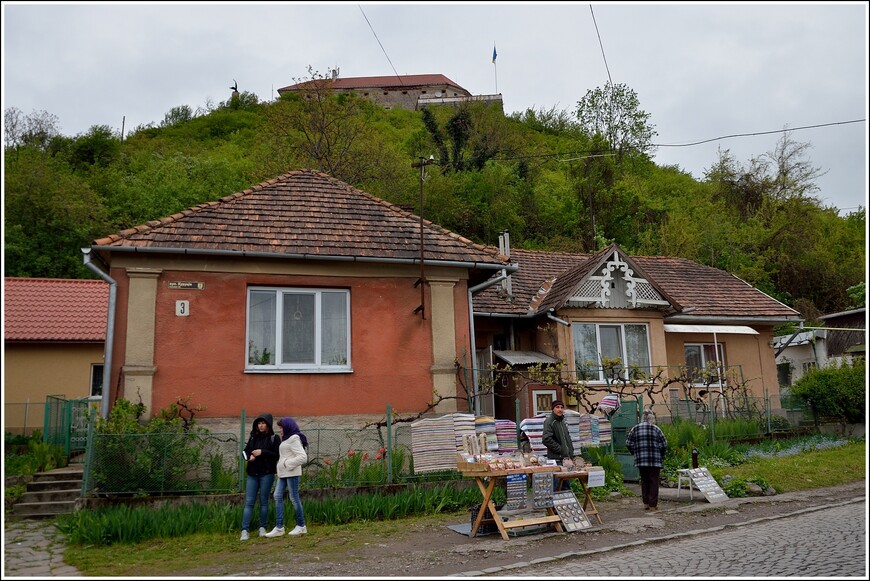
(308, 256)
(110, 329)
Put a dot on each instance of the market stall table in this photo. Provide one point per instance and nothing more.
(486, 481)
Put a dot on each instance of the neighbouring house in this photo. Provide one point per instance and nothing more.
(844, 337)
(401, 91)
(843, 342)
(55, 332)
(301, 296)
(651, 312)
(305, 296)
(798, 353)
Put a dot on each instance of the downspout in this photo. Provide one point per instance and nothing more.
(110, 329)
(474, 372)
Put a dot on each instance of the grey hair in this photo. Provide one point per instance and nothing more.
(649, 416)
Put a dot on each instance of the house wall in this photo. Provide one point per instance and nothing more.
(753, 353)
(799, 355)
(397, 357)
(33, 371)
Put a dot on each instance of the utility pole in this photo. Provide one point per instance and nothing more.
(421, 281)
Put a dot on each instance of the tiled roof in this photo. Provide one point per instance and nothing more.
(386, 81)
(545, 280)
(303, 214)
(53, 309)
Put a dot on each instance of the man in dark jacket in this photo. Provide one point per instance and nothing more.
(557, 440)
(261, 453)
(647, 443)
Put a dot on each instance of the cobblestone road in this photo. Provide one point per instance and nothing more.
(829, 542)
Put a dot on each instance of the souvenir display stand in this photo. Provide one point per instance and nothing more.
(582, 476)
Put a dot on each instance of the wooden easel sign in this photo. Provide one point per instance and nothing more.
(708, 486)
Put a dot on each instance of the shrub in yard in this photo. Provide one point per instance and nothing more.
(836, 392)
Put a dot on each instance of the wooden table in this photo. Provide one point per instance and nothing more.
(581, 476)
(486, 481)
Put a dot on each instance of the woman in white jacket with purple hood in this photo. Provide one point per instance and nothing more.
(292, 458)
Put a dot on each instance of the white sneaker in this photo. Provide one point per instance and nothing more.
(276, 532)
(262, 531)
(298, 531)
(244, 536)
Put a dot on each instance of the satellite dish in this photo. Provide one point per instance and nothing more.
(438, 93)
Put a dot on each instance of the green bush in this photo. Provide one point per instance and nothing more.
(838, 392)
(154, 457)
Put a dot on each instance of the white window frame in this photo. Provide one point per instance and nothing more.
(537, 398)
(317, 365)
(719, 348)
(626, 364)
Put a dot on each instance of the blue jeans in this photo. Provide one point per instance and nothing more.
(257, 486)
(291, 482)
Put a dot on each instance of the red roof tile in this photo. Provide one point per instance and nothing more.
(304, 214)
(384, 82)
(545, 280)
(53, 309)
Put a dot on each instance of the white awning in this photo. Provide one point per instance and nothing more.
(718, 329)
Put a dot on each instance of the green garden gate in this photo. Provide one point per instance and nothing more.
(621, 422)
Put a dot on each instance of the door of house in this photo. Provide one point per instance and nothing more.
(484, 404)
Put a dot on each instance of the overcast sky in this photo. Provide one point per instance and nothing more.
(701, 71)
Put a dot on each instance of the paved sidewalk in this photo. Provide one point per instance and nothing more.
(34, 548)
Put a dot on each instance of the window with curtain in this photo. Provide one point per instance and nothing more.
(291, 329)
(594, 342)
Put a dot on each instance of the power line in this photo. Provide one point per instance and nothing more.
(601, 45)
(586, 154)
(379, 43)
(756, 133)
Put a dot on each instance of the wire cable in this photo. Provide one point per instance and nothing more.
(601, 45)
(756, 133)
(379, 43)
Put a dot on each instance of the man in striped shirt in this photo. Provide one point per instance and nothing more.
(647, 443)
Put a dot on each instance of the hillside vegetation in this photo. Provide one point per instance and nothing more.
(555, 179)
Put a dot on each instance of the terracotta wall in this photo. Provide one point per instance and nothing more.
(202, 355)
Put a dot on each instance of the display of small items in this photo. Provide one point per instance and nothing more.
(542, 490)
(517, 492)
(570, 511)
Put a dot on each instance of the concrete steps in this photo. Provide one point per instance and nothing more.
(51, 493)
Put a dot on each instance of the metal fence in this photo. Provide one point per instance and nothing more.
(198, 461)
(193, 462)
(164, 463)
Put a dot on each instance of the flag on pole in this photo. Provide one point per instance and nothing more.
(494, 54)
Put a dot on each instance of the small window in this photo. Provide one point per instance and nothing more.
(298, 329)
(96, 380)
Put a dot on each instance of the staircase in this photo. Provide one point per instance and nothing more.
(51, 493)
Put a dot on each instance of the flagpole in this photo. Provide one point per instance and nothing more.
(495, 66)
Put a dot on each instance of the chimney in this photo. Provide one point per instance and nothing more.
(504, 248)
(334, 73)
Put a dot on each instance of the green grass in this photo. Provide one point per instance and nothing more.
(806, 470)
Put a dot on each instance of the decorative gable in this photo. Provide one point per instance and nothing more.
(616, 286)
